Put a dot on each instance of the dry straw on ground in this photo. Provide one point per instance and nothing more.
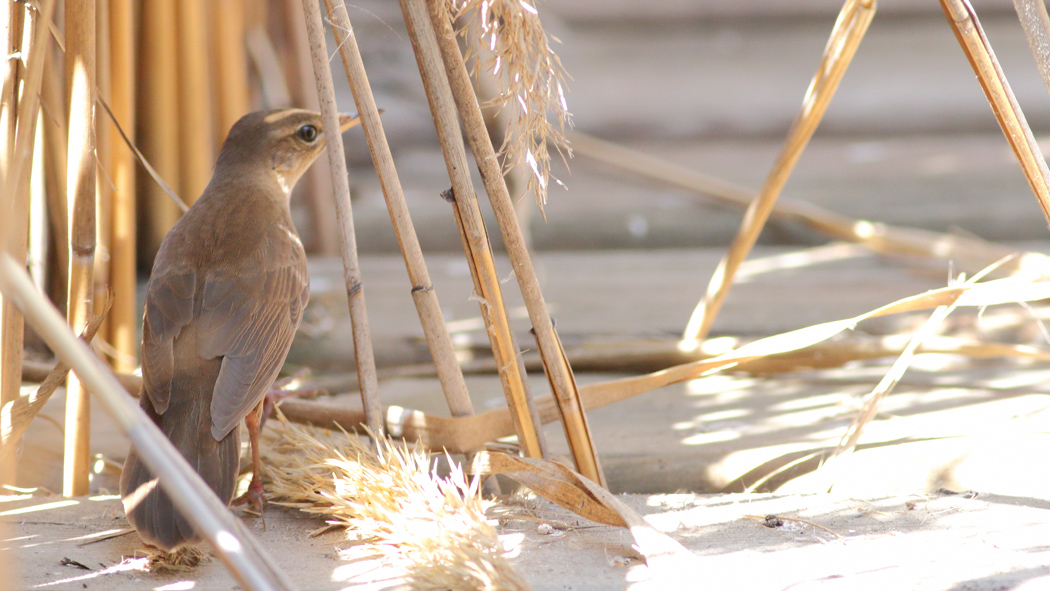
(432, 528)
(506, 39)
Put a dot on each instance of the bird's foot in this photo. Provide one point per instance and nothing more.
(255, 497)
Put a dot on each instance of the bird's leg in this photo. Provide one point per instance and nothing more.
(254, 496)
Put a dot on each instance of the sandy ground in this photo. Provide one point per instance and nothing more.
(970, 541)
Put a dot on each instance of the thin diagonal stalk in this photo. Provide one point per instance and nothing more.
(476, 242)
(449, 373)
(363, 353)
(559, 372)
(845, 37)
(228, 536)
(1001, 98)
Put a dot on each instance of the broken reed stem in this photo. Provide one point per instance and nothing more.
(229, 538)
(559, 372)
(967, 254)
(459, 435)
(871, 406)
(1036, 24)
(122, 321)
(845, 37)
(364, 356)
(475, 237)
(1008, 113)
(80, 193)
(423, 295)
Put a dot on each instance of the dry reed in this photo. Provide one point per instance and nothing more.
(559, 372)
(363, 353)
(432, 528)
(506, 38)
(465, 434)
(231, 540)
(424, 296)
(80, 193)
(472, 227)
(978, 50)
(849, 29)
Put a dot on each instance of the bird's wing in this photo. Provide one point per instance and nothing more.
(169, 307)
(248, 320)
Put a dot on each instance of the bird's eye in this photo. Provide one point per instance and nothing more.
(307, 133)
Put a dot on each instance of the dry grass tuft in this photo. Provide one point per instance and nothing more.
(180, 560)
(506, 38)
(393, 502)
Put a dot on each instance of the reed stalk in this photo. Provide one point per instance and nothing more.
(971, 37)
(475, 237)
(123, 280)
(80, 193)
(196, 142)
(230, 539)
(11, 332)
(846, 35)
(157, 126)
(559, 372)
(364, 356)
(229, 74)
(423, 294)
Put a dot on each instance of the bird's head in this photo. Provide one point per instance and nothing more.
(283, 142)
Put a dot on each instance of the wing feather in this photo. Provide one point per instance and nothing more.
(169, 308)
(249, 321)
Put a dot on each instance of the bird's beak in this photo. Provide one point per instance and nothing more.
(348, 120)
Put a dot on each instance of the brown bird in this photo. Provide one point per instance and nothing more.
(225, 297)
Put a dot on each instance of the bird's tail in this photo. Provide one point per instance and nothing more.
(149, 509)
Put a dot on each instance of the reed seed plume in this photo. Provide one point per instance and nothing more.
(506, 39)
(433, 528)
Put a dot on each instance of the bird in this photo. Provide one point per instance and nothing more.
(225, 297)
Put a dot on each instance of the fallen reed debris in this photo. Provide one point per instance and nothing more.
(393, 502)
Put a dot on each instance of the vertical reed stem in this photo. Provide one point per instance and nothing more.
(230, 84)
(559, 373)
(122, 241)
(448, 370)
(11, 325)
(196, 144)
(103, 177)
(80, 193)
(476, 242)
(366, 369)
(158, 129)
